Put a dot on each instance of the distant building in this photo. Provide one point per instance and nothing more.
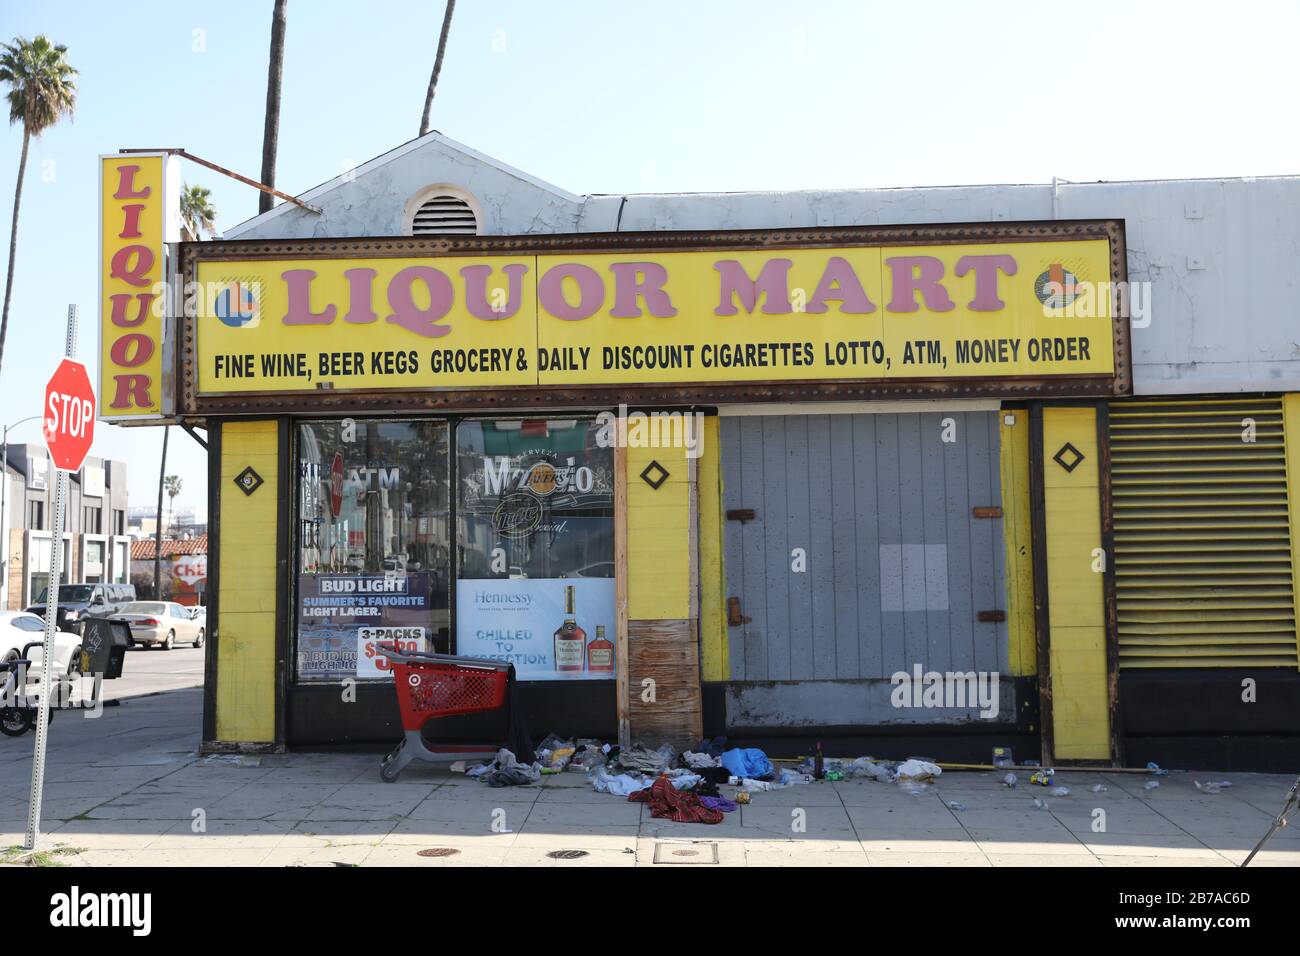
(96, 543)
(142, 521)
(184, 568)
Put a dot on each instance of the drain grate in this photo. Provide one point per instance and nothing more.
(567, 854)
(696, 851)
(438, 851)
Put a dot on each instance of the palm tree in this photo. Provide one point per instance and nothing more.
(41, 91)
(197, 212)
(271, 131)
(437, 65)
(173, 485)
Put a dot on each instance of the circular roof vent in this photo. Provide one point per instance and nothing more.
(444, 215)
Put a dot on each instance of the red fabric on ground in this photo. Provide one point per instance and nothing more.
(680, 806)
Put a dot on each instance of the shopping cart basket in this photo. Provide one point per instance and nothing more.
(430, 686)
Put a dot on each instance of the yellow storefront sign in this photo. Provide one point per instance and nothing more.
(888, 313)
(136, 196)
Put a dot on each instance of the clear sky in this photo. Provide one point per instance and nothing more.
(628, 97)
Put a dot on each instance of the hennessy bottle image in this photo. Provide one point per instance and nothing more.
(570, 640)
(600, 652)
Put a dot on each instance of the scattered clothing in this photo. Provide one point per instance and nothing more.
(681, 807)
(621, 784)
(506, 771)
(640, 759)
(714, 747)
(698, 761)
(719, 803)
(685, 781)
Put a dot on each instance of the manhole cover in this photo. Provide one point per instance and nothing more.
(567, 854)
(694, 852)
(438, 851)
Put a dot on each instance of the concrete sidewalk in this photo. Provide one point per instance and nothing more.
(128, 789)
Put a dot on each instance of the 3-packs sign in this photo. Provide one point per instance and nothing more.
(344, 622)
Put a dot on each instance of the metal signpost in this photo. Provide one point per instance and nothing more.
(69, 429)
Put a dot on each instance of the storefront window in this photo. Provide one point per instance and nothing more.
(374, 549)
(535, 575)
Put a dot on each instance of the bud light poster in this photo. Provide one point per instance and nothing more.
(549, 628)
(343, 619)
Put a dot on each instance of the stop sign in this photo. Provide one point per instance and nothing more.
(69, 425)
(336, 484)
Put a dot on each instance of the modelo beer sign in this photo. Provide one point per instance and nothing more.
(888, 306)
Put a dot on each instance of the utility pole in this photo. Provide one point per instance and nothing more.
(48, 682)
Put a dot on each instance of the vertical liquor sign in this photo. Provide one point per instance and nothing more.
(139, 214)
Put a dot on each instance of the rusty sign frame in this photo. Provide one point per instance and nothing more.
(482, 399)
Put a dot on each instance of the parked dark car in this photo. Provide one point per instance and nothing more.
(79, 601)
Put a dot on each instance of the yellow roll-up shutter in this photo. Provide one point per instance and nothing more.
(1202, 534)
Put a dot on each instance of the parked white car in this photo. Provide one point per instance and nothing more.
(162, 623)
(18, 628)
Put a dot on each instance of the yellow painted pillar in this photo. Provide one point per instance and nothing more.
(1018, 541)
(665, 703)
(247, 584)
(1075, 584)
(714, 664)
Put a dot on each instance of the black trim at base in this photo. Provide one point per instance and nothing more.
(319, 717)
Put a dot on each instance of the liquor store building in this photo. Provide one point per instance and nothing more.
(900, 471)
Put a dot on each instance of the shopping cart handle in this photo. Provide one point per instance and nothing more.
(429, 657)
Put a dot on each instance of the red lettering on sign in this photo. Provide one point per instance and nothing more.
(132, 391)
(123, 355)
(131, 230)
(132, 274)
(143, 300)
(126, 184)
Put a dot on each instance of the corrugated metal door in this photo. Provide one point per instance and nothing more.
(897, 567)
(1202, 535)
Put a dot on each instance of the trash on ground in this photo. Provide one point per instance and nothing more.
(720, 803)
(1154, 768)
(554, 753)
(1040, 803)
(1099, 788)
(618, 784)
(748, 762)
(916, 769)
(1011, 780)
(1212, 786)
(697, 761)
(955, 806)
(1060, 791)
(1002, 757)
(1151, 785)
(679, 806)
(506, 771)
(1042, 778)
(641, 759)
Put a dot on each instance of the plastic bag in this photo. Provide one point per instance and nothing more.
(748, 762)
(915, 769)
(866, 767)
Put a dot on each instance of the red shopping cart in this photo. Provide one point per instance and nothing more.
(430, 686)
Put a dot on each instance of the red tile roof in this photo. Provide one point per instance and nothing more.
(142, 550)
